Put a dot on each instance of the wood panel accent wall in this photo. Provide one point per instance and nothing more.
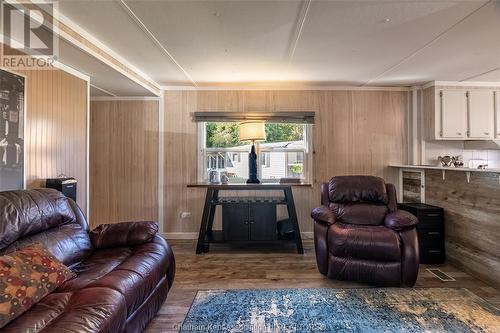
(123, 161)
(356, 132)
(472, 220)
(56, 128)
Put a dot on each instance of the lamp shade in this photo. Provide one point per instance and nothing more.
(252, 131)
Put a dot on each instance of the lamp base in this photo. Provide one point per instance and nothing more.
(252, 167)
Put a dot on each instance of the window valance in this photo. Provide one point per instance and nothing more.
(270, 117)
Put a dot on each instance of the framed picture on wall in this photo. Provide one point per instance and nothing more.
(12, 117)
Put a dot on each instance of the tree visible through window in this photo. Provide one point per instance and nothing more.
(226, 135)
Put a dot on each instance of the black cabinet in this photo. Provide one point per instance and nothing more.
(249, 221)
(430, 231)
(247, 218)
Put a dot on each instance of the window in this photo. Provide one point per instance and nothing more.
(236, 157)
(284, 154)
(264, 160)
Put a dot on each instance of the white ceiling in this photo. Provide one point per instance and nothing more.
(314, 42)
(109, 81)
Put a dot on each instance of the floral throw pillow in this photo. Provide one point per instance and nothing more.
(26, 276)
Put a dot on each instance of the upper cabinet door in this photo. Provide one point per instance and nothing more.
(497, 114)
(481, 114)
(453, 114)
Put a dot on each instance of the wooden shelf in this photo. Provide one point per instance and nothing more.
(217, 236)
(431, 167)
(227, 200)
(244, 186)
(443, 170)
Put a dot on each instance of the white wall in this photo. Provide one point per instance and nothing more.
(433, 149)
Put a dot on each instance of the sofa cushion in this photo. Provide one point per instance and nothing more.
(359, 213)
(362, 270)
(95, 266)
(90, 310)
(69, 243)
(344, 189)
(43, 216)
(123, 234)
(133, 271)
(24, 213)
(364, 242)
(27, 276)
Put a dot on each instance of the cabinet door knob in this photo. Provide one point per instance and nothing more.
(459, 133)
(486, 133)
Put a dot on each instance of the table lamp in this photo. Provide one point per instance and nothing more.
(252, 131)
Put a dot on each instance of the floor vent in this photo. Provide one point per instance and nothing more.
(440, 274)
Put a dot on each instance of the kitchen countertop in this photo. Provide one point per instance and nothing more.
(434, 167)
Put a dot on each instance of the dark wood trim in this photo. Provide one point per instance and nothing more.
(293, 217)
(204, 221)
(207, 236)
(244, 186)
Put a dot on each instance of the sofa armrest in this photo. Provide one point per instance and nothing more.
(323, 214)
(400, 220)
(123, 234)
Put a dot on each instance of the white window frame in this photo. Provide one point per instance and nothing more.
(308, 154)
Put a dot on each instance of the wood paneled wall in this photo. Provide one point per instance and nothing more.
(56, 128)
(356, 132)
(123, 161)
(472, 220)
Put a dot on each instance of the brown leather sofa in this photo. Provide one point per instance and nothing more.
(360, 235)
(124, 271)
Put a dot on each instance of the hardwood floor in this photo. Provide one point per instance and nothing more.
(234, 268)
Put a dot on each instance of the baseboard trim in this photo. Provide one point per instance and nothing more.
(180, 235)
(194, 235)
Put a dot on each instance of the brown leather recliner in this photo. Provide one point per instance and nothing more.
(360, 235)
(124, 271)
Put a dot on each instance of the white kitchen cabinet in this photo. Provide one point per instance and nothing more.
(497, 114)
(480, 114)
(453, 114)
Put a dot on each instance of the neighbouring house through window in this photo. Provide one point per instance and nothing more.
(284, 154)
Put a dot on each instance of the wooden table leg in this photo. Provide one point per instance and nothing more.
(215, 197)
(290, 204)
(204, 221)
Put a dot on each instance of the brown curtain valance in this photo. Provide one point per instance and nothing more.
(270, 117)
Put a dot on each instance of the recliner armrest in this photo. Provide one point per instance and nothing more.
(400, 220)
(123, 234)
(323, 214)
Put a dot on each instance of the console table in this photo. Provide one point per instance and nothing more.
(212, 200)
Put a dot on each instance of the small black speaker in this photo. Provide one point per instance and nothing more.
(66, 185)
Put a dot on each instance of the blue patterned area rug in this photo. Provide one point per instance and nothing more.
(341, 310)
